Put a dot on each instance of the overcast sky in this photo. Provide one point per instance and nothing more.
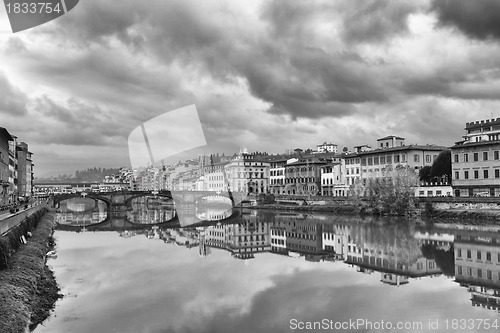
(266, 75)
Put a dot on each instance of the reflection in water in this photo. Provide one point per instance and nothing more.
(150, 210)
(310, 265)
(477, 267)
(81, 212)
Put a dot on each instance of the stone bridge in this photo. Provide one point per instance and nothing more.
(120, 201)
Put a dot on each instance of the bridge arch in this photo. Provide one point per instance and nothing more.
(57, 199)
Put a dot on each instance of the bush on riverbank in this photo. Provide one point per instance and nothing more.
(27, 285)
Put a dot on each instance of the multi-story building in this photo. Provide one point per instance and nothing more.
(326, 148)
(25, 171)
(214, 177)
(303, 177)
(248, 173)
(13, 175)
(333, 179)
(277, 175)
(5, 138)
(374, 163)
(476, 160)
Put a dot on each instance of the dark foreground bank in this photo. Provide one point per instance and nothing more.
(28, 290)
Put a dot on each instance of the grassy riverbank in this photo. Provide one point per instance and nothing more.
(28, 290)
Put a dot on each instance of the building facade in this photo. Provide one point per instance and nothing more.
(303, 177)
(476, 160)
(333, 179)
(366, 164)
(25, 171)
(5, 138)
(248, 174)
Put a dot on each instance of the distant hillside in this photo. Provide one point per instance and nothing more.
(90, 175)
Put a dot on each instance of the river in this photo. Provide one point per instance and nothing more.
(272, 272)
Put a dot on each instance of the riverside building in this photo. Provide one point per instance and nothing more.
(476, 160)
(391, 151)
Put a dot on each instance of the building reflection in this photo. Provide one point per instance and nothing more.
(150, 210)
(477, 266)
(244, 239)
(81, 212)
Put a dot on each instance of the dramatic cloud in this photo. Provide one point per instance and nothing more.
(478, 19)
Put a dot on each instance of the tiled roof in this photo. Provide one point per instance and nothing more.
(391, 137)
(476, 144)
(399, 148)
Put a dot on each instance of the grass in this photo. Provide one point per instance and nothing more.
(28, 290)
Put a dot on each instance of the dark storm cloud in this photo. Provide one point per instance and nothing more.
(279, 58)
(476, 79)
(477, 18)
(12, 101)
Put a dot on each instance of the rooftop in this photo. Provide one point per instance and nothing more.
(391, 137)
(6, 134)
(399, 148)
(481, 123)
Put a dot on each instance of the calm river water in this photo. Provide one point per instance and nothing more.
(271, 272)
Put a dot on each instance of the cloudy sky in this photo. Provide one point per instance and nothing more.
(266, 75)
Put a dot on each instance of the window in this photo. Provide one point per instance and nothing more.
(469, 254)
(459, 253)
(488, 256)
(466, 157)
(485, 155)
(476, 157)
(428, 158)
(389, 159)
(495, 155)
(370, 161)
(489, 275)
(416, 158)
(456, 158)
(396, 158)
(466, 174)
(382, 159)
(478, 255)
(485, 173)
(497, 173)
(476, 174)
(375, 160)
(457, 174)
(459, 270)
(479, 273)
